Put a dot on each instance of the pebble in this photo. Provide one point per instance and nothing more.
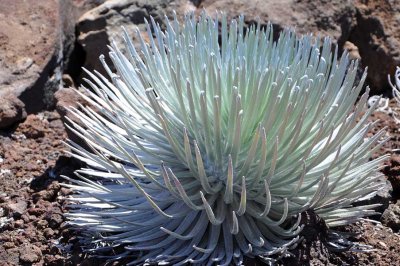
(48, 232)
(42, 224)
(391, 216)
(30, 253)
(8, 245)
(55, 220)
(17, 209)
(19, 224)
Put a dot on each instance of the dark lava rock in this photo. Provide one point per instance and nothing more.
(391, 216)
(392, 171)
(55, 220)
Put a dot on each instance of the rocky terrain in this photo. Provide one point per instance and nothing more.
(43, 47)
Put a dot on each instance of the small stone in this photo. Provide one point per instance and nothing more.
(32, 127)
(48, 232)
(382, 244)
(391, 216)
(12, 110)
(54, 186)
(36, 211)
(17, 209)
(8, 245)
(19, 224)
(19, 240)
(30, 253)
(47, 195)
(3, 197)
(55, 220)
(25, 218)
(42, 224)
(54, 260)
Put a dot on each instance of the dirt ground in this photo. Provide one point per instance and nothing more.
(33, 230)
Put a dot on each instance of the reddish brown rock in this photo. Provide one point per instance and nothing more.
(8, 245)
(376, 34)
(48, 232)
(333, 18)
(392, 171)
(32, 128)
(12, 110)
(55, 219)
(30, 253)
(17, 209)
(34, 41)
(66, 99)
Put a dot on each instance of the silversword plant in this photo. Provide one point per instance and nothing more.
(396, 85)
(396, 92)
(209, 143)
